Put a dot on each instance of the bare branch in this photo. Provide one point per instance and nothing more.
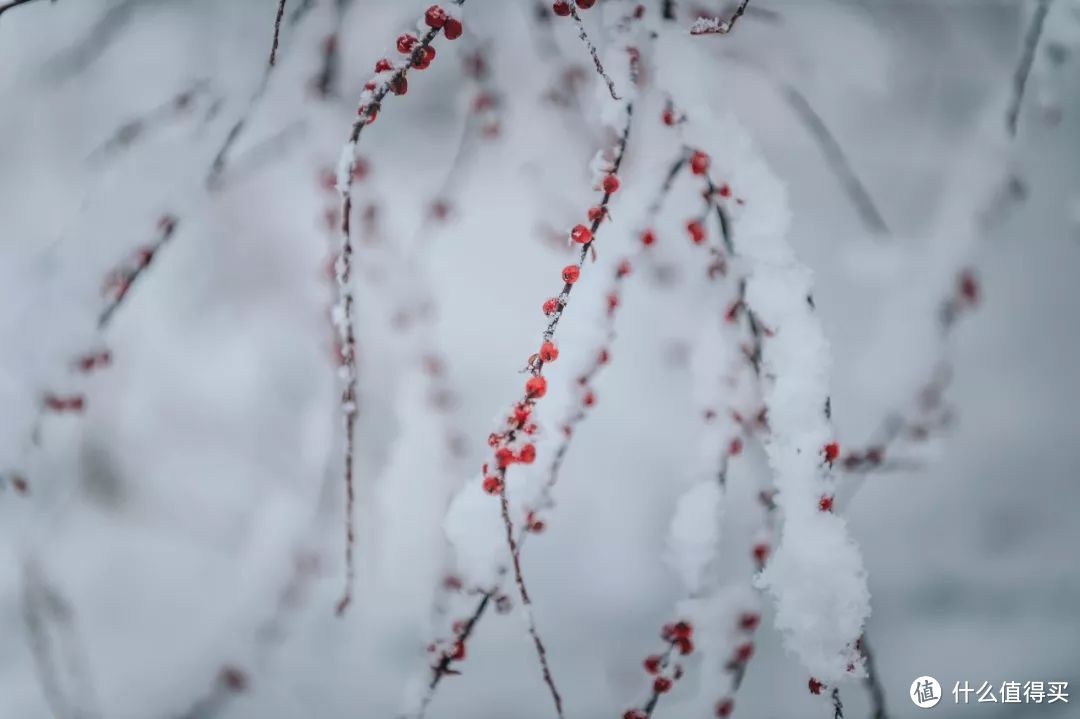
(14, 4)
(1023, 68)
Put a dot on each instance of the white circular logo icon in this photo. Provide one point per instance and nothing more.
(925, 692)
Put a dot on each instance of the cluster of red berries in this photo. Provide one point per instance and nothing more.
(831, 452)
(562, 7)
(679, 636)
(73, 403)
(94, 360)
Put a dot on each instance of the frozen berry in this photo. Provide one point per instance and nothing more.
(570, 274)
(435, 17)
(536, 387)
(581, 234)
(699, 162)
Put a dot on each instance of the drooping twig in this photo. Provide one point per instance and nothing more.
(136, 128)
(124, 278)
(13, 4)
(1023, 67)
(837, 159)
(389, 77)
(277, 32)
(583, 35)
(718, 26)
(51, 630)
(873, 682)
(221, 159)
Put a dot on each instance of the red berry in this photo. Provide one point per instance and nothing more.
(527, 455)
(696, 230)
(550, 306)
(749, 621)
(735, 447)
(589, 399)
(969, 287)
(406, 43)
(580, 234)
(521, 413)
(585, 4)
(815, 686)
(825, 503)
(724, 708)
(536, 386)
(682, 630)
(504, 457)
(743, 652)
(662, 685)
(652, 663)
(435, 17)
(634, 714)
(699, 162)
(459, 652)
(549, 352)
(492, 485)
(399, 85)
(832, 451)
(725, 190)
(453, 28)
(685, 646)
(669, 117)
(648, 238)
(603, 357)
(383, 65)
(570, 274)
(233, 678)
(623, 269)
(596, 213)
(561, 8)
(761, 553)
(610, 185)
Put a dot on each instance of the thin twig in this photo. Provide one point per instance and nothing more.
(583, 35)
(13, 4)
(837, 159)
(873, 683)
(277, 32)
(1023, 68)
(123, 280)
(366, 113)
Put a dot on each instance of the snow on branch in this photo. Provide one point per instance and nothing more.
(566, 8)
(391, 76)
(716, 25)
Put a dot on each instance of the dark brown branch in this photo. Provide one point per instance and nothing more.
(277, 32)
(123, 280)
(14, 4)
(593, 52)
(837, 159)
(873, 683)
(1023, 68)
(366, 114)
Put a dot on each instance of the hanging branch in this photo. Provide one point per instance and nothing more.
(564, 8)
(390, 77)
(221, 159)
(118, 285)
(136, 128)
(1023, 67)
(50, 621)
(123, 279)
(718, 26)
(277, 32)
(14, 4)
(837, 160)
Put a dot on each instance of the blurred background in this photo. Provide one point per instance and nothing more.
(176, 550)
